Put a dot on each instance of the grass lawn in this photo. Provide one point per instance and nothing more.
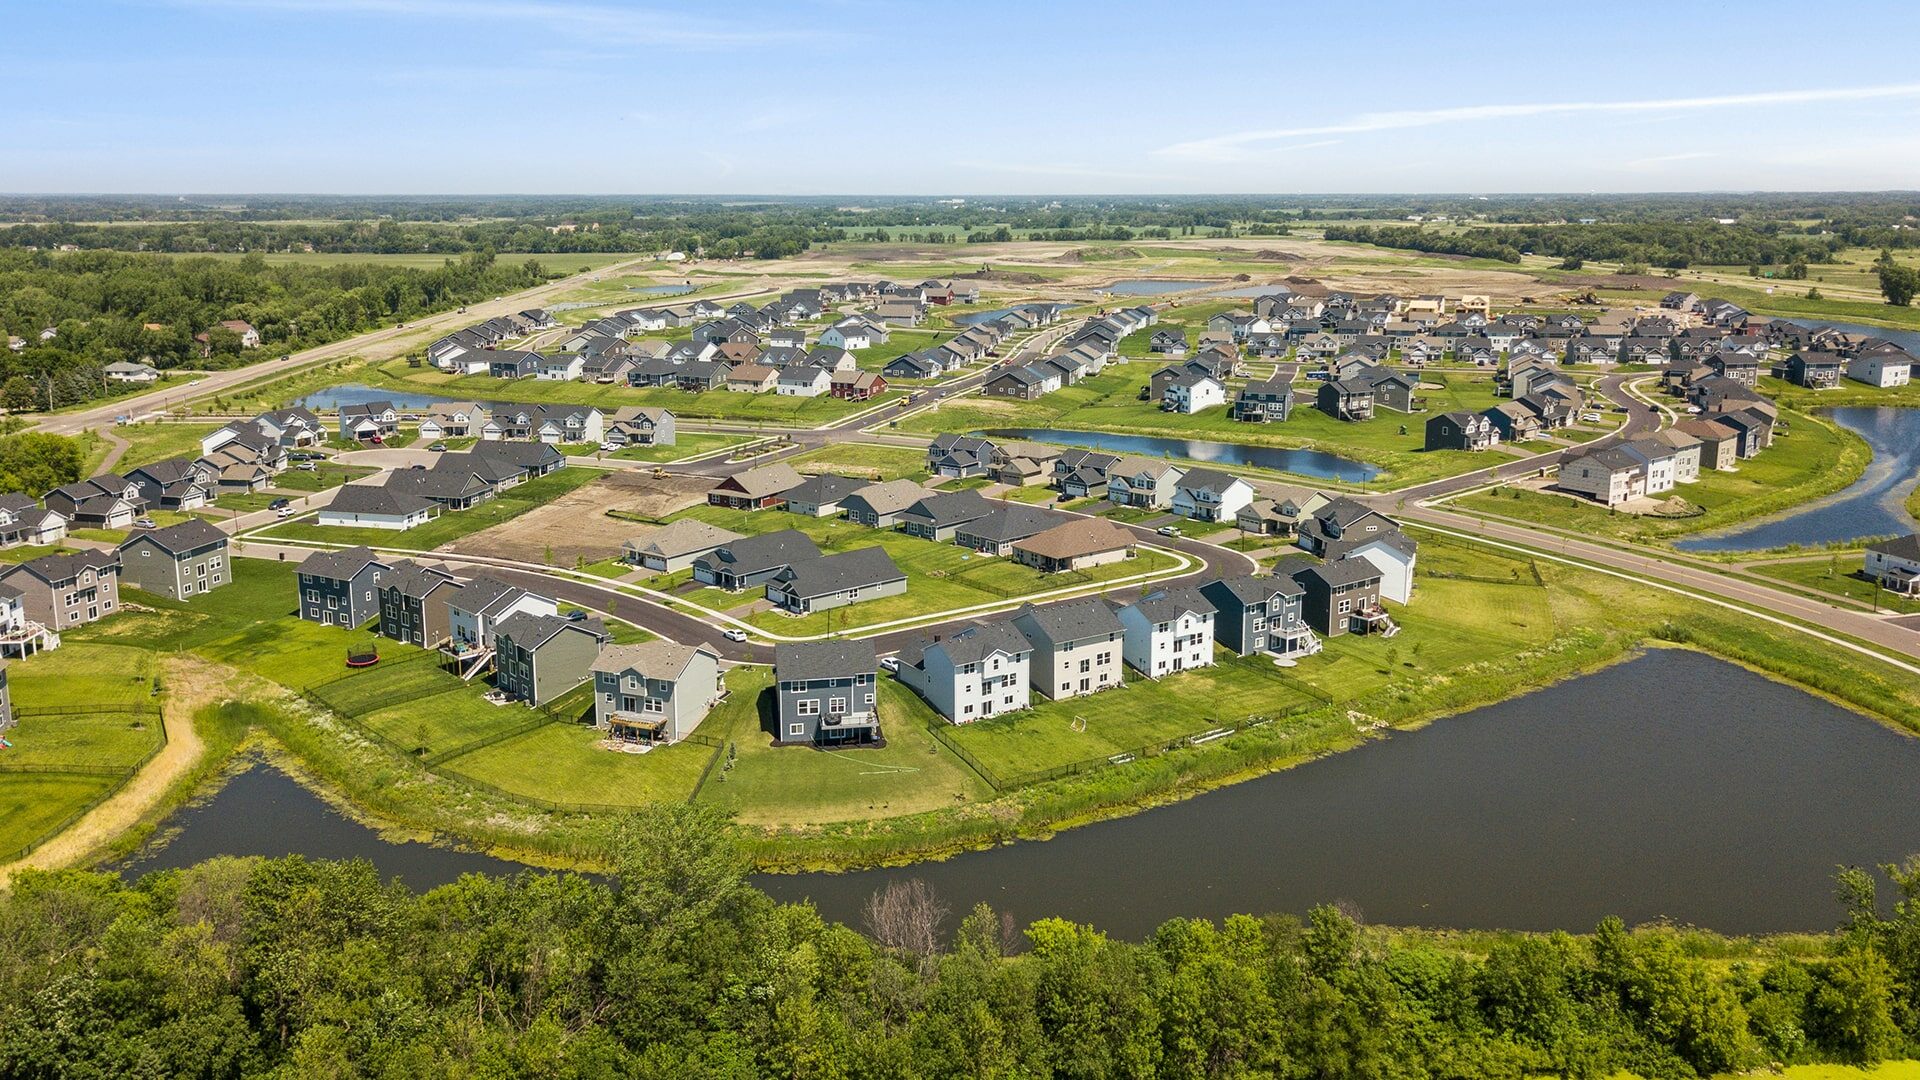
(788, 785)
(1814, 459)
(864, 460)
(1821, 575)
(561, 763)
(322, 476)
(449, 526)
(102, 738)
(940, 577)
(82, 673)
(32, 805)
(1141, 712)
(157, 441)
(689, 444)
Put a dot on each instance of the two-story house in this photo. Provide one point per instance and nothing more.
(1145, 483)
(413, 603)
(177, 562)
(106, 501)
(1260, 615)
(477, 609)
(656, 691)
(538, 657)
(1166, 631)
(59, 592)
(1077, 646)
(1210, 495)
(340, 588)
(981, 671)
(827, 692)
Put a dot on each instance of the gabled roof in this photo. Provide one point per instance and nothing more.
(1212, 480)
(826, 574)
(529, 631)
(1072, 620)
(664, 661)
(1166, 605)
(1900, 547)
(368, 499)
(1339, 572)
(889, 496)
(824, 489)
(339, 565)
(764, 481)
(483, 594)
(415, 579)
(1080, 536)
(1250, 589)
(750, 554)
(58, 568)
(839, 659)
(683, 537)
(951, 507)
(1013, 522)
(970, 646)
(193, 534)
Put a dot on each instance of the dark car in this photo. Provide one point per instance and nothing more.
(278, 503)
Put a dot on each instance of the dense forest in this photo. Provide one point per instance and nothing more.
(105, 306)
(679, 969)
(1667, 245)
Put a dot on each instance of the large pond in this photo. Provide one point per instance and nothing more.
(973, 318)
(1315, 463)
(1674, 785)
(661, 290)
(1152, 286)
(1874, 505)
(359, 394)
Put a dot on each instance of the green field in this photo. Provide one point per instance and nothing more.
(157, 441)
(1836, 574)
(565, 262)
(940, 576)
(449, 526)
(32, 805)
(83, 674)
(562, 763)
(881, 462)
(686, 445)
(1811, 458)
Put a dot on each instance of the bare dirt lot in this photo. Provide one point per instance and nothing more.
(578, 526)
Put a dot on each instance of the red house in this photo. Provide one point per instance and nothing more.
(857, 385)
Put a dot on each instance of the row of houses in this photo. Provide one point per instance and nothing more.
(458, 481)
(1734, 423)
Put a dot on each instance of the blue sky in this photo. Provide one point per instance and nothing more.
(861, 96)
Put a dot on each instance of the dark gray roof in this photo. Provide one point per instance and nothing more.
(190, 535)
(825, 574)
(801, 660)
(530, 631)
(1340, 572)
(1249, 589)
(1072, 620)
(1207, 480)
(763, 552)
(1166, 605)
(1015, 522)
(339, 565)
(969, 646)
(485, 593)
(825, 488)
(367, 499)
(415, 579)
(951, 507)
(1902, 547)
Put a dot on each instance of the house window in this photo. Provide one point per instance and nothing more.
(796, 729)
(808, 707)
(837, 706)
(869, 699)
(1346, 606)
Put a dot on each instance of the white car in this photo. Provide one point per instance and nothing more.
(733, 635)
(1590, 417)
(283, 512)
(1168, 530)
(890, 663)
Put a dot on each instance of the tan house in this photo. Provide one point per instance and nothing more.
(1075, 545)
(64, 591)
(752, 379)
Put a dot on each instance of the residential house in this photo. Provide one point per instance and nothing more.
(339, 588)
(996, 533)
(539, 657)
(826, 692)
(1509, 421)
(939, 516)
(369, 421)
(24, 521)
(1077, 544)
(1719, 444)
(1658, 460)
(1210, 495)
(369, 506)
(1339, 597)
(959, 456)
(175, 484)
(452, 420)
(1895, 564)
(413, 603)
(482, 604)
(751, 379)
(824, 582)
(820, 496)
(59, 592)
(1025, 383)
(1345, 399)
(1266, 402)
(1344, 528)
(1022, 464)
(1391, 389)
(1077, 647)
(638, 425)
(1146, 483)
(1080, 474)
(107, 501)
(550, 424)
(1466, 431)
(758, 488)
(1170, 342)
(1686, 450)
(803, 380)
(1882, 369)
(753, 561)
(879, 505)
(1167, 631)
(981, 671)
(530, 460)
(1190, 394)
(1607, 475)
(1260, 615)
(177, 562)
(656, 691)
(1754, 426)
(1814, 369)
(856, 385)
(123, 371)
(676, 545)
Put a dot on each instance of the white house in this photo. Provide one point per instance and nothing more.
(1658, 461)
(483, 603)
(1209, 495)
(1076, 646)
(1193, 393)
(365, 506)
(1882, 369)
(1167, 631)
(560, 367)
(849, 336)
(1142, 482)
(1609, 476)
(979, 672)
(803, 381)
(1895, 564)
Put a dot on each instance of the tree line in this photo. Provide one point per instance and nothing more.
(1669, 245)
(678, 968)
(107, 306)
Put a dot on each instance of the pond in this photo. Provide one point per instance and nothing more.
(263, 811)
(1152, 286)
(1672, 785)
(359, 394)
(1874, 505)
(1315, 463)
(661, 290)
(973, 318)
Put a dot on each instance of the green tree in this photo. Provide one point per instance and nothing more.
(1898, 284)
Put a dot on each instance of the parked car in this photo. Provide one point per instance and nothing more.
(437, 447)
(123, 418)
(890, 663)
(576, 615)
(279, 504)
(307, 466)
(1590, 417)
(733, 635)
(1168, 530)
(144, 523)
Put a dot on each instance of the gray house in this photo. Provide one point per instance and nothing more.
(176, 562)
(939, 517)
(539, 657)
(175, 484)
(1077, 646)
(63, 591)
(1265, 402)
(753, 560)
(827, 693)
(413, 603)
(675, 545)
(830, 581)
(339, 588)
(1260, 614)
(821, 496)
(879, 506)
(655, 692)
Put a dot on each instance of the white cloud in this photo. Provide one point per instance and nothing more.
(1238, 146)
(592, 23)
(1652, 164)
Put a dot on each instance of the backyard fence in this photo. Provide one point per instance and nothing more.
(123, 774)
